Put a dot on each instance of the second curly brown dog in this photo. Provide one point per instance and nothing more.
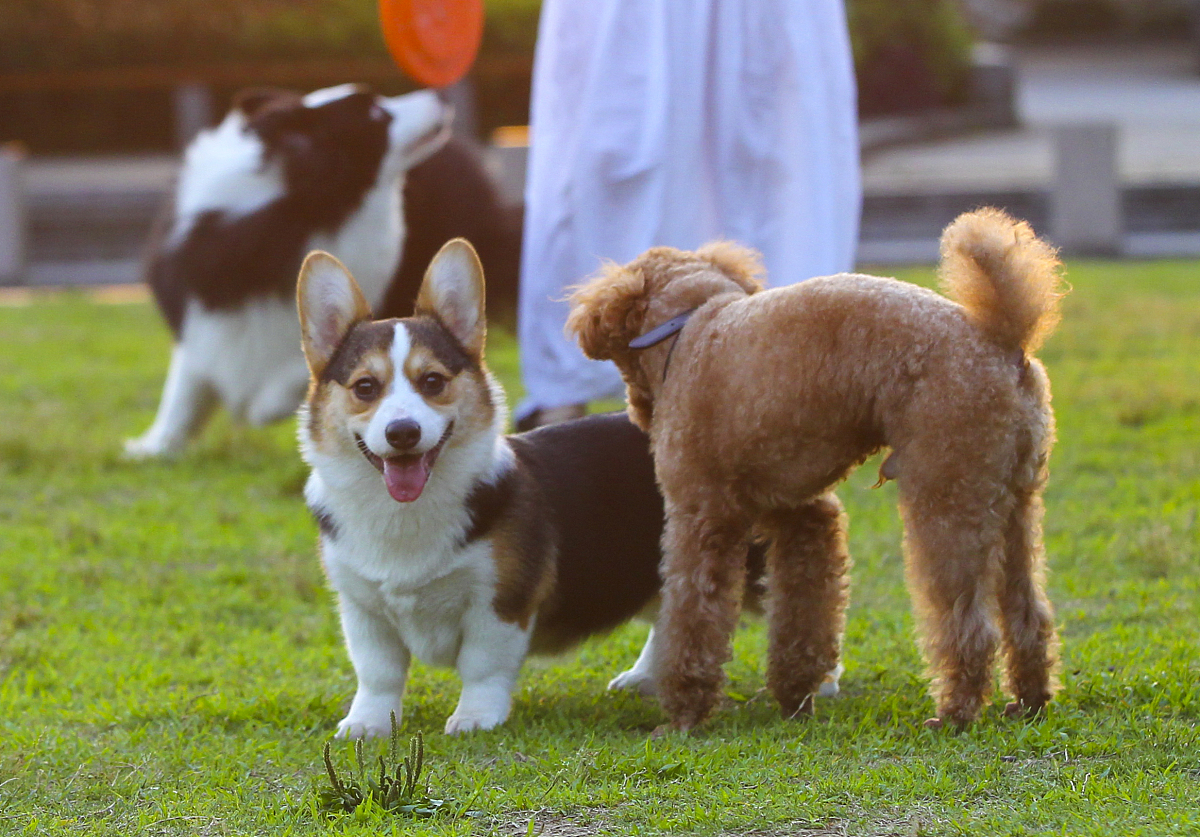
(766, 399)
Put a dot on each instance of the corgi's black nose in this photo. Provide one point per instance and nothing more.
(402, 434)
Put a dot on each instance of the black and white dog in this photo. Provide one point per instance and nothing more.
(284, 174)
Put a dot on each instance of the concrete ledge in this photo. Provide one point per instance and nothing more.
(920, 215)
(83, 273)
(898, 251)
(1162, 207)
(13, 223)
(906, 251)
(880, 251)
(1166, 245)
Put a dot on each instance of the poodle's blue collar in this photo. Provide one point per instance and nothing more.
(656, 335)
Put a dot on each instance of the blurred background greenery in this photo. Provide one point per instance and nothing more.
(96, 75)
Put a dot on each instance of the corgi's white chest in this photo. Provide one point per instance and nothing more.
(424, 588)
(430, 621)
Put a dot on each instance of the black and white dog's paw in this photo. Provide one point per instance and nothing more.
(151, 446)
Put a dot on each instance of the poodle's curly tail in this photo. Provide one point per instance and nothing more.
(1007, 278)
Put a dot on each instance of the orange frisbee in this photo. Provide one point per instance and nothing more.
(434, 41)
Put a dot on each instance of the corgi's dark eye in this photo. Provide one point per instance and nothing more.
(431, 384)
(366, 388)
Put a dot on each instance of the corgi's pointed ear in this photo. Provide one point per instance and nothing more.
(330, 303)
(453, 292)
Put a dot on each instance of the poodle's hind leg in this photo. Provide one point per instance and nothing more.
(807, 593)
(1026, 617)
(704, 561)
(953, 551)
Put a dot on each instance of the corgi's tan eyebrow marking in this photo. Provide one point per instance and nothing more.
(362, 338)
(430, 334)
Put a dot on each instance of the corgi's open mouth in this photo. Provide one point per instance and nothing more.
(405, 475)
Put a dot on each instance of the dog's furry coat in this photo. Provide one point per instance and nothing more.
(769, 398)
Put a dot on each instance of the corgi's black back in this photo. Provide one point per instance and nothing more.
(608, 525)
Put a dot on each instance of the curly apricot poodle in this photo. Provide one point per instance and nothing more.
(758, 402)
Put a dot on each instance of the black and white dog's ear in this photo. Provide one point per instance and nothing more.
(453, 291)
(286, 128)
(329, 302)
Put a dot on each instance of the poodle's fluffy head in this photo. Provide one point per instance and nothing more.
(623, 302)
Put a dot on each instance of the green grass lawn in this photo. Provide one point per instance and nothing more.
(170, 660)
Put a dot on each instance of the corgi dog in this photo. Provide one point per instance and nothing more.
(443, 538)
(375, 180)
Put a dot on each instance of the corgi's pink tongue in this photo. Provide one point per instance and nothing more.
(405, 476)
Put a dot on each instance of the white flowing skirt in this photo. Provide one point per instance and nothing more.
(675, 122)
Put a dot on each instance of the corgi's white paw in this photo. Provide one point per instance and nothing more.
(484, 704)
(370, 716)
(633, 680)
(353, 728)
(462, 721)
(830, 688)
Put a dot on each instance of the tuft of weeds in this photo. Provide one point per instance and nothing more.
(397, 788)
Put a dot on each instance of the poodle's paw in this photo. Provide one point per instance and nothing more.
(1026, 711)
(829, 687)
(953, 725)
(801, 711)
(641, 682)
(467, 721)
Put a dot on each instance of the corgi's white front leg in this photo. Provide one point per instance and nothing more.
(187, 401)
(640, 678)
(488, 662)
(380, 661)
